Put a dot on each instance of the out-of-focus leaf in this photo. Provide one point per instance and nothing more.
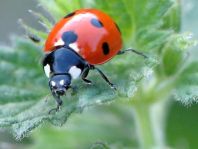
(187, 84)
(174, 54)
(172, 19)
(181, 127)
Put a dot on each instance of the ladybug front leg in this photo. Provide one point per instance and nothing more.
(132, 50)
(84, 75)
(104, 77)
(58, 101)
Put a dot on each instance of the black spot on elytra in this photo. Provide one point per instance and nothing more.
(95, 22)
(70, 14)
(117, 27)
(105, 48)
(69, 37)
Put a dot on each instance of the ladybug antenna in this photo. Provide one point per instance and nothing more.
(34, 38)
(59, 103)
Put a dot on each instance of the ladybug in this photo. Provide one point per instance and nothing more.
(76, 44)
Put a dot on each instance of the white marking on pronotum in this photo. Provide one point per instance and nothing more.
(74, 46)
(62, 82)
(47, 70)
(60, 42)
(75, 72)
(53, 83)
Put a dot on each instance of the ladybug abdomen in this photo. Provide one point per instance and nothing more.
(89, 32)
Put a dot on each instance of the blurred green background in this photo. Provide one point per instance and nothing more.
(10, 12)
(182, 121)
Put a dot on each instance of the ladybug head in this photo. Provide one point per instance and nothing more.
(60, 83)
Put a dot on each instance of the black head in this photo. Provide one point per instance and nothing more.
(60, 83)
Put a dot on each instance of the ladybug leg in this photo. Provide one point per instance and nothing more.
(84, 75)
(104, 77)
(58, 101)
(73, 88)
(132, 50)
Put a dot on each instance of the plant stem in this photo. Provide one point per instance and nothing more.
(150, 120)
(144, 126)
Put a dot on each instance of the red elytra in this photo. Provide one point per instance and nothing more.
(96, 43)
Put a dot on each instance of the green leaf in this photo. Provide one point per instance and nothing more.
(59, 8)
(186, 89)
(172, 19)
(181, 118)
(27, 91)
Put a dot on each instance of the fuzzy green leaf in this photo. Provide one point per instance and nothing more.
(27, 91)
(187, 84)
